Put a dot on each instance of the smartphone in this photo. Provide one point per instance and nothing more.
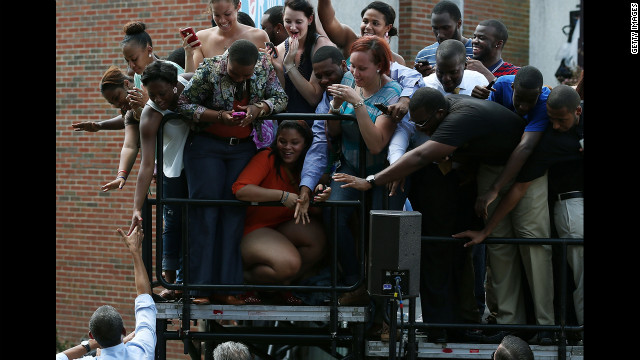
(488, 87)
(424, 61)
(382, 107)
(239, 114)
(189, 30)
(272, 47)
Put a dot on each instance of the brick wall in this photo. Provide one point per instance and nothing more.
(92, 265)
(415, 26)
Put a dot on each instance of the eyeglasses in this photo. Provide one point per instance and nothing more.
(424, 123)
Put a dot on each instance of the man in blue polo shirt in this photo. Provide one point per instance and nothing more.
(525, 95)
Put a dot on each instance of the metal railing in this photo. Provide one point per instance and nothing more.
(333, 337)
(561, 329)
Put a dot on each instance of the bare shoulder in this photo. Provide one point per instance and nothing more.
(255, 35)
(399, 59)
(205, 33)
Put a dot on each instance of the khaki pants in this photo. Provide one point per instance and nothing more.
(568, 216)
(529, 219)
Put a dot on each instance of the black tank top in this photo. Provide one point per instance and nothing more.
(297, 102)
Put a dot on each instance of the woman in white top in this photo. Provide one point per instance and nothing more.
(137, 49)
(164, 87)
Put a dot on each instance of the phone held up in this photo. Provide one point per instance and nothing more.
(272, 47)
(488, 87)
(189, 30)
(382, 107)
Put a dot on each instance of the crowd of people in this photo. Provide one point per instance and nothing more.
(479, 146)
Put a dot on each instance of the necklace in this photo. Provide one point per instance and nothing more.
(379, 87)
(239, 90)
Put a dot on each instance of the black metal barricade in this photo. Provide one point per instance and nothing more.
(334, 337)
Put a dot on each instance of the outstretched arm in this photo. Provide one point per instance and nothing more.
(134, 244)
(424, 154)
(115, 123)
(128, 156)
(507, 203)
(149, 123)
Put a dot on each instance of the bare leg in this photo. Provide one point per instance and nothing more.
(310, 241)
(269, 257)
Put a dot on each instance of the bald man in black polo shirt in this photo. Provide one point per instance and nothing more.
(469, 131)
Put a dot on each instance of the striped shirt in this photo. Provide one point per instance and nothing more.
(503, 68)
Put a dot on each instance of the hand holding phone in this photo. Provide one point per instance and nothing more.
(424, 67)
(189, 30)
(382, 107)
(488, 87)
(272, 48)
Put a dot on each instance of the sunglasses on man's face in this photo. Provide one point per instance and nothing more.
(424, 123)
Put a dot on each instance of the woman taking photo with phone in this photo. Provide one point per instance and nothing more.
(366, 84)
(216, 40)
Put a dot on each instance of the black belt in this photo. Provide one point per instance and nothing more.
(228, 140)
(570, 195)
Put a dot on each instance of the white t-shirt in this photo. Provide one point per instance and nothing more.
(174, 136)
(470, 79)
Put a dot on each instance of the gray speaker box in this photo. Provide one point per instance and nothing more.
(394, 252)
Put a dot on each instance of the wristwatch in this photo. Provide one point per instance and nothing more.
(261, 105)
(85, 343)
(371, 179)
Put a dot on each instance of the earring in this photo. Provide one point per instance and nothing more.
(175, 90)
(150, 55)
(378, 70)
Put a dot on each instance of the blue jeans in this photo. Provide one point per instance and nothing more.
(211, 167)
(172, 215)
(346, 247)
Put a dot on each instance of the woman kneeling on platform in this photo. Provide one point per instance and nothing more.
(276, 249)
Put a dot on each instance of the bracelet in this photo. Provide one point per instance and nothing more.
(219, 115)
(334, 110)
(122, 177)
(358, 104)
(281, 196)
(260, 105)
(285, 198)
(289, 69)
(124, 171)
